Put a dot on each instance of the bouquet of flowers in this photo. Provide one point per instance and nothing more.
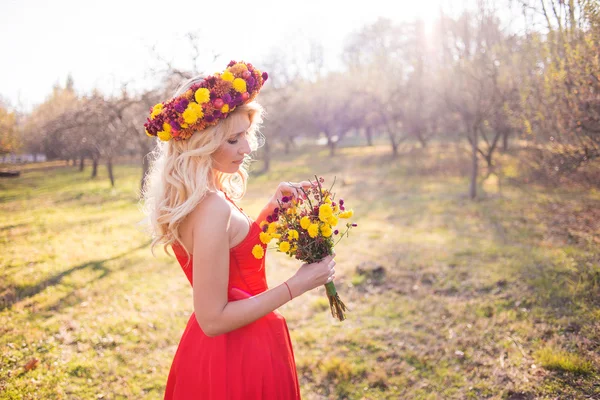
(305, 228)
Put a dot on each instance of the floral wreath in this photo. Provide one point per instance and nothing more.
(206, 102)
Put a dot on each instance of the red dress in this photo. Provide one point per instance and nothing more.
(250, 363)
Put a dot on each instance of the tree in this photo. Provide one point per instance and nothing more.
(477, 83)
(379, 69)
(9, 131)
(561, 108)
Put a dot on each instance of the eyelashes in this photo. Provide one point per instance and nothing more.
(234, 141)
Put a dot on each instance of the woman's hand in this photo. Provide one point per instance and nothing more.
(310, 276)
(289, 189)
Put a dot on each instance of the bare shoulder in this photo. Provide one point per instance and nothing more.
(212, 212)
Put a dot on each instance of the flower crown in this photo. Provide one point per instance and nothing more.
(206, 102)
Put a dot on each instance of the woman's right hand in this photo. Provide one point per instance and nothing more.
(310, 276)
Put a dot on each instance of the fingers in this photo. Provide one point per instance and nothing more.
(295, 188)
(331, 277)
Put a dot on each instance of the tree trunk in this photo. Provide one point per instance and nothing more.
(286, 147)
(473, 186)
(109, 167)
(331, 145)
(94, 166)
(266, 155)
(394, 145)
(505, 136)
(81, 163)
(369, 135)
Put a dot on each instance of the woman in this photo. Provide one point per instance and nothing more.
(235, 345)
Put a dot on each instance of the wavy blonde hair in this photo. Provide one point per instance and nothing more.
(182, 173)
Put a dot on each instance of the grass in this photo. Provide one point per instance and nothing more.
(450, 298)
(563, 361)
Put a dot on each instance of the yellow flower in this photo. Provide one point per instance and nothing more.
(167, 127)
(293, 234)
(336, 209)
(276, 235)
(313, 230)
(284, 247)
(305, 222)
(325, 211)
(225, 108)
(293, 249)
(239, 85)
(227, 76)
(263, 223)
(156, 110)
(327, 200)
(265, 237)
(148, 133)
(192, 113)
(202, 95)
(346, 214)
(258, 251)
(272, 228)
(189, 116)
(326, 230)
(197, 108)
(164, 136)
(333, 220)
(291, 211)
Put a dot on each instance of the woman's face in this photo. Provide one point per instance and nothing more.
(230, 155)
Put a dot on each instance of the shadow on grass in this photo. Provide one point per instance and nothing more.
(14, 294)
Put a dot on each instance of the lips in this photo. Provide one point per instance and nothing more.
(238, 162)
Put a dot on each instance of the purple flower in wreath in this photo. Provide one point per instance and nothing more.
(250, 82)
(174, 124)
(181, 105)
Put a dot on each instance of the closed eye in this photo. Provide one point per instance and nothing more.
(234, 141)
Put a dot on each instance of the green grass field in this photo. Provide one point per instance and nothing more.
(450, 298)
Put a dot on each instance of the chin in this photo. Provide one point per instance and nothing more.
(235, 168)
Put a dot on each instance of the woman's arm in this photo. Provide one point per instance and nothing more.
(214, 313)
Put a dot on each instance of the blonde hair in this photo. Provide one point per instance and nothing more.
(182, 173)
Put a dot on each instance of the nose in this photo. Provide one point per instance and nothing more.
(245, 147)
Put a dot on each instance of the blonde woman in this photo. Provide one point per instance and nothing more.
(235, 345)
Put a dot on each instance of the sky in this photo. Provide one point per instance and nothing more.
(105, 44)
